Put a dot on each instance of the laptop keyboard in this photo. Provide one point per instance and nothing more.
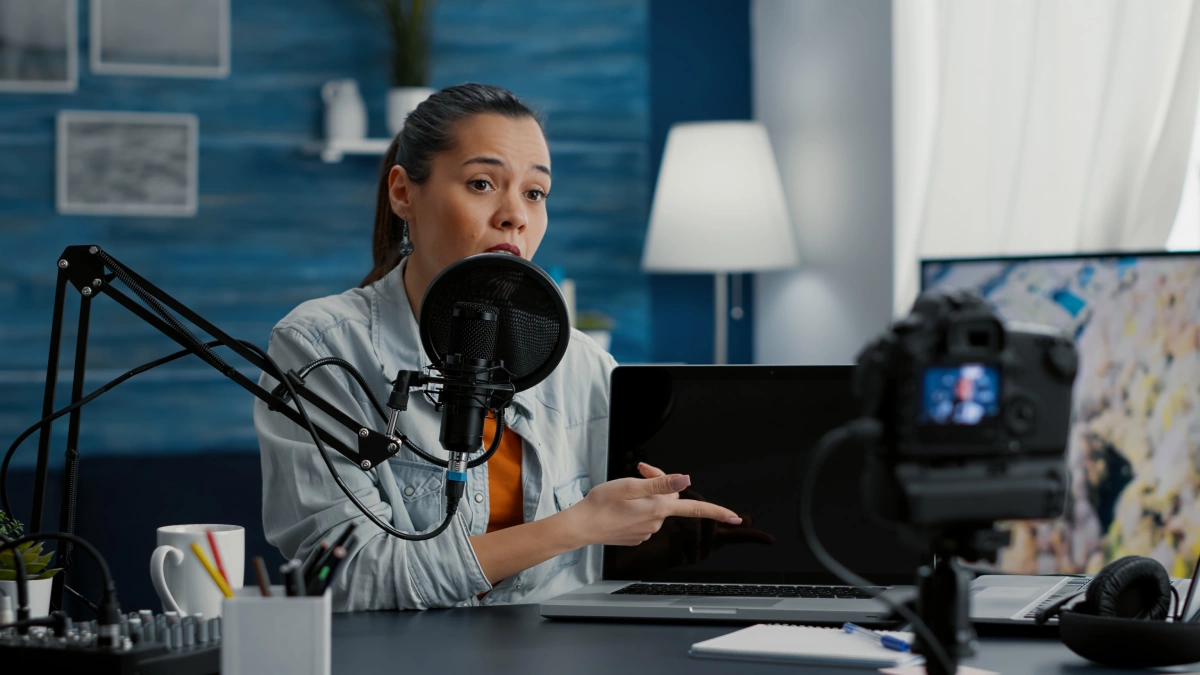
(752, 591)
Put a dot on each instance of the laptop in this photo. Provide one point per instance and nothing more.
(1014, 600)
(744, 434)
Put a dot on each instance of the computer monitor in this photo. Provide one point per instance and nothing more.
(1134, 445)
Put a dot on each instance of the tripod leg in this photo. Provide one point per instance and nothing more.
(944, 608)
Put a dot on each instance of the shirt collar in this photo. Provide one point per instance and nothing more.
(396, 335)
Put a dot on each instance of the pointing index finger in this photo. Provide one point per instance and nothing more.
(690, 508)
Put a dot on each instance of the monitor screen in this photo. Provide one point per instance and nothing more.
(744, 434)
(1134, 446)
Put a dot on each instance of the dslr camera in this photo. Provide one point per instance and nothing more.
(972, 420)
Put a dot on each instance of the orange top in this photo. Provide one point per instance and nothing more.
(504, 478)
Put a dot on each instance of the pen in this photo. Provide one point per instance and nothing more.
(293, 581)
(888, 641)
(216, 552)
(264, 581)
(212, 571)
(322, 559)
(325, 576)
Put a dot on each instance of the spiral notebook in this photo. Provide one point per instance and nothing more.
(805, 645)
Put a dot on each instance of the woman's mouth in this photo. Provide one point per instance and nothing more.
(505, 248)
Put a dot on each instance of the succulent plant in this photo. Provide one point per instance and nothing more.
(37, 564)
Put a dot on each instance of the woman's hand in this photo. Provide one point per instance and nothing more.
(627, 511)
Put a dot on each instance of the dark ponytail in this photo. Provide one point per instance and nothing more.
(428, 131)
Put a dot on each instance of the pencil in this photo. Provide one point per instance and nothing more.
(212, 544)
(264, 581)
(212, 571)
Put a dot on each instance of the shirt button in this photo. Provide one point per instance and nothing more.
(478, 497)
(408, 491)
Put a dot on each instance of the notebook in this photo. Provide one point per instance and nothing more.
(782, 643)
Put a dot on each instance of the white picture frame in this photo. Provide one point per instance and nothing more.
(129, 164)
(30, 36)
(160, 38)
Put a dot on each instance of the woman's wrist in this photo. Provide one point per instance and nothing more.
(569, 528)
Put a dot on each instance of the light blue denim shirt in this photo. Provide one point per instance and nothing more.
(563, 422)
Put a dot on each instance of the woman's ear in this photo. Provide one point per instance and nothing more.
(400, 192)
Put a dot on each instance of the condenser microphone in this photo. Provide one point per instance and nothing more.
(492, 325)
(468, 368)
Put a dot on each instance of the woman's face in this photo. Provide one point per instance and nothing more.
(487, 193)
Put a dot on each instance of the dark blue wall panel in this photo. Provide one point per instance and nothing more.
(699, 70)
(276, 226)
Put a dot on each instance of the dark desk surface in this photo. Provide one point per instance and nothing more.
(517, 640)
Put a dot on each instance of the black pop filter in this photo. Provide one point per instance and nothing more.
(533, 328)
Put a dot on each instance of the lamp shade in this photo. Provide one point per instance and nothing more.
(719, 204)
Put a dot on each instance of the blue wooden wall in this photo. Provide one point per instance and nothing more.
(276, 226)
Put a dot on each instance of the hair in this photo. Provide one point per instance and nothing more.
(429, 130)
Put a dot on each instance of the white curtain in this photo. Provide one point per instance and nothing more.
(1039, 126)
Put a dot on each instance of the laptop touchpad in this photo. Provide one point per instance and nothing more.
(701, 601)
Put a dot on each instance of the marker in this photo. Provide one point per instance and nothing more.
(888, 641)
(325, 576)
(293, 580)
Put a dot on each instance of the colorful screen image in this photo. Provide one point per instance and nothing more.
(967, 394)
(1134, 445)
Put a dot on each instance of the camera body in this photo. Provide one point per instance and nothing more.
(973, 417)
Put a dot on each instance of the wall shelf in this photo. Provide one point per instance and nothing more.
(332, 152)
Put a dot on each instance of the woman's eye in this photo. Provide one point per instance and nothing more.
(479, 185)
(536, 195)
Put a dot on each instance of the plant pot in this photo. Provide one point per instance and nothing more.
(39, 596)
(400, 102)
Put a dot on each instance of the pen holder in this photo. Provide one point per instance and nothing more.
(276, 634)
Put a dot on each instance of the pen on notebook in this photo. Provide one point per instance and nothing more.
(212, 571)
(264, 581)
(216, 554)
(888, 641)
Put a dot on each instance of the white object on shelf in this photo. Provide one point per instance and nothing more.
(345, 113)
(333, 151)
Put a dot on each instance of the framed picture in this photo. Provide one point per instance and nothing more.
(39, 42)
(168, 38)
(120, 163)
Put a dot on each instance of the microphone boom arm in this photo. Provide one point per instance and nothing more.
(85, 267)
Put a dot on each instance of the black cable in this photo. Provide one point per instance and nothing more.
(499, 412)
(451, 508)
(22, 580)
(78, 404)
(110, 610)
(830, 441)
(348, 367)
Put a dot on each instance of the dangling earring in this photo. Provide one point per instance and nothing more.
(406, 245)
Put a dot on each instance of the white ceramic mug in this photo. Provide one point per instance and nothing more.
(180, 580)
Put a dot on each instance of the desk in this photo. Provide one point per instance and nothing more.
(516, 640)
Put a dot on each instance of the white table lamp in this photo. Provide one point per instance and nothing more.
(719, 208)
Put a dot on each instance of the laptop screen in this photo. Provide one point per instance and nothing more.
(744, 434)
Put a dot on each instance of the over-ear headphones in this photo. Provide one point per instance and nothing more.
(1122, 620)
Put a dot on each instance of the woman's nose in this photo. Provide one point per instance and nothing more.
(511, 214)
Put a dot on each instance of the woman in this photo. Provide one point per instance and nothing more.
(468, 174)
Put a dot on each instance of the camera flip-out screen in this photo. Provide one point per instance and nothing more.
(966, 394)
